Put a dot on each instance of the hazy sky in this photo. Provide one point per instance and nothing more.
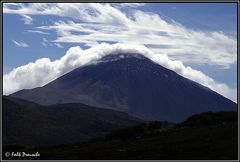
(200, 35)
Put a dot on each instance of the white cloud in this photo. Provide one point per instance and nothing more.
(132, 5)
(213, 48)
(20, 44)
(88, 12)
(58, 45)
(37, 31)
(106, 23)
(44, 42)
(27, 19)
(44, 71)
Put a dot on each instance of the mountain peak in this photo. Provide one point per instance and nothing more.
(131, 83)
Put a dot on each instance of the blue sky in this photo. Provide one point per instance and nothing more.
(201, 16)
(200, 35)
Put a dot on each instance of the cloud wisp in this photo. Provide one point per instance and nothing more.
(43, 70)
(20, 44)
(37, 31)
(58, 45)
(132, 5)
(27, 19)
(93, 23)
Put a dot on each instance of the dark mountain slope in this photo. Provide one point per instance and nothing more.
(29, 124)
(133, 84)
(194, 139)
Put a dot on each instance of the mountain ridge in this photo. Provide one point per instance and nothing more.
(132, 84)
(33, 125)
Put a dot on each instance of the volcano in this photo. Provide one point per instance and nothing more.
(133, 84)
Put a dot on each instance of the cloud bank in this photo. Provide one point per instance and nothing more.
(93, 23)
(43, 70)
